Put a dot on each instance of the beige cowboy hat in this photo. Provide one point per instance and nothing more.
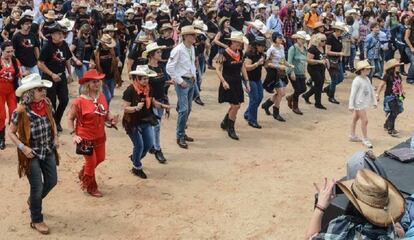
(65, 22)
(121, 2)
(150, 25)
(340, 26)
(261, 5)
(213, 9)
(258, 25)
(189, 10)
(350, 12)
(356, 7)
(150, 48)
(153, 4)
(83, 5)
(137, 5)
(237, 36)
(189, 30)
(222, 20)
(108, 41)
(166, 26)
(376, 198)
(392, 63)
(98, 8)
(393, 10)
(51, 14)
(314, 5)
(142, 39)
(164, 9)
(110, 28)
(143, 70)
(129, 11)
(32, 81)
(199, 24)
(363, 65)
(301, 35)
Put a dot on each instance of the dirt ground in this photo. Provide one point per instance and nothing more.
(257, 188)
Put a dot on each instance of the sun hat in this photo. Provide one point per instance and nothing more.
(108, 40)
(259, 40)
(261, 5)
(164, 9)
(65, 22)
(143, 70)
(110, 28)
(301, 35)
(393, 10)
(363, 65)
(56, 27)
(314, 5)
(223, 20)
(376, 198)
(142, 39)
(340, 26)
(23, 20)
(258, 25)
(165, 26)
(51, 14)
(28, 13)
(392, 63)
(150, 25)
(150, 48)
(189, 10)
(91, 75)
(189, 30)
(350, 11)
(32, 81)
(199, 24)
(237, 36)
(129, 11)
(143, 2)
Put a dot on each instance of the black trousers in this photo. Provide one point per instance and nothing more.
(318, 78)
(299, 87)
(59, 91)
(392, 116)
(213, 53)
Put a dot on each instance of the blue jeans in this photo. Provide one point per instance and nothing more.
(31, 70)
(42, 178)
(337, 76)
(410, 74)
(142, 137)
(184, 101)
(255, 98)
(361, 51)
(377, 67)
(80, 70)
(157, 128)
(108, 89)
(352, 56)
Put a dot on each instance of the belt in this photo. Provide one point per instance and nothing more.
(188, 78)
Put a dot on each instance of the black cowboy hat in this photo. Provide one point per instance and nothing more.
(23, 20)
(56, 27)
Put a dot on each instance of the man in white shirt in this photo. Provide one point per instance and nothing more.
(181, 67)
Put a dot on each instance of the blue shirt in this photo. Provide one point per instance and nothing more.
(274, 24)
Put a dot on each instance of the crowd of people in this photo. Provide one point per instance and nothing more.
(252, 46)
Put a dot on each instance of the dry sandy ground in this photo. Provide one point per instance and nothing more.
(257, 188)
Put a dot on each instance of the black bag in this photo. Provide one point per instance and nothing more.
(333, 63)
(269, 83)
(84, 148)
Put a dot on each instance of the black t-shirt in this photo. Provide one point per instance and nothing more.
(105, 60)
(166, 42)
(11, 29)
(212, 27)
(141, 116)
(335, 43)
(200, 45)
(136, 55)
(157, 83)
(224, 13)
(81, 19)
(24, 46)
(317, 55)
(55, 57)
(237, 20)
(161, 20)
(184, 22)
(391, 83)
(123, 39)
(71, 16)
(255, 74)
(83, 53)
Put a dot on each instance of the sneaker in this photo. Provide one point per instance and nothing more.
(354, 138)
(139, 173)
(367, 143)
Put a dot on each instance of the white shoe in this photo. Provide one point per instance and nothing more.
(354, 138)
(367, 143)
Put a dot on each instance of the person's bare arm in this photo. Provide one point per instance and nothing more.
(5, 35)
(46, 70)
(407, 39)
(131, 109)
(217, 41)
(36, 52)
(219, 68)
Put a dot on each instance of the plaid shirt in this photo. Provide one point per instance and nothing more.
(289, 27)
(342, 228)
(41, 139)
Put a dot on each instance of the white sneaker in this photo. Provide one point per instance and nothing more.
(367, 143)
(354, 138)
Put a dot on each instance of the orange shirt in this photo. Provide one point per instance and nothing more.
(46, 6)
(311, 19)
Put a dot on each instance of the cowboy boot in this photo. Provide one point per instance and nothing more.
(296, 108)
(289, 100)
(80, 174)
(231, 131)
(2, 139)
(276, 115)
(225, 123)
(266, 105)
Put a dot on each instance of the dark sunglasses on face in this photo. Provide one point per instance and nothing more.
(40, 89)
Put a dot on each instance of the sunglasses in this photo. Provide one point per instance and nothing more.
(40, 89)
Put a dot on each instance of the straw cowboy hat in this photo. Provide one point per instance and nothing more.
(237, 36)
(393, 10)
(91, 75)
(166, 26)
(108, 41)
(164, 9)
(261, 5)
(392, 63)
(340, 26)
(153, 4)
(150, 25)
(83, 5)
(350, 11)
(142, 39)
(150, 48)
(189, 30)
(16, 15)
(143, 70)
(110, 28)
(129, 11)
(213, 9)
(314, 5)
(363, 65)
(376, 198)
(51, 14)
(65, 22)
(121, 2)
(223, 20)
(32, 81)
(199, 24)
(301, 35)
(259, 26)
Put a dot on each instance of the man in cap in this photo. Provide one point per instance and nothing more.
(237, 17)
(26, 45)
(181, 67)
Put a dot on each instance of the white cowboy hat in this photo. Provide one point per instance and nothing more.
(83, 4)
(259, 25)
(129, 11)
(153, 4)
(65, 22)
(150, 25)
(108, 41)
(350, 11)
(199, 24)
(150, 48)
(189, 10)
(137, 5)
(261, 5)
(143, 70)
(143, 2)
(340, 26)
(32, 81)
(110, 28)
(393, 10)
(164, 9)
(28, 13)
(363, 65)
(302, 35)
(237, 36)
(189, 30)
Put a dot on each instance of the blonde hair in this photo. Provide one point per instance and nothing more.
(85, 88)
(318, 38)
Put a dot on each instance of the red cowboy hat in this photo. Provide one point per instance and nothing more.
(91, 75)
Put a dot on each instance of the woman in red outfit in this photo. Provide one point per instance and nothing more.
(87, 118)
(9, 74)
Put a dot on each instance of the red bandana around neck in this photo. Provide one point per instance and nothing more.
(144, 90)
(234, 55)
(39, 107)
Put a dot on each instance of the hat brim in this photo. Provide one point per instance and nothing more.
(50, 16)
(365, 67)
(377, 216)
(110, 45)
(393, 65)
(243, 40)
(145, 53)
(35, 84)
(83, 80)
(144, 74)
(196, 32)
(165, 28)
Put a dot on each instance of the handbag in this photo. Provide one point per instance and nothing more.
(84, 148)
(333, 63)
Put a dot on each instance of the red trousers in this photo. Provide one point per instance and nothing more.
(8, 96)
(87, 174)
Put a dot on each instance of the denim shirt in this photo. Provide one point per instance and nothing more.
(372, 46)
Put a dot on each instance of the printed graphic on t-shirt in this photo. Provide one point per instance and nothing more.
(6, 75)
(27, 43)
(58, 56)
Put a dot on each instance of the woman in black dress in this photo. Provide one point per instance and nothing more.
(230, 69)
